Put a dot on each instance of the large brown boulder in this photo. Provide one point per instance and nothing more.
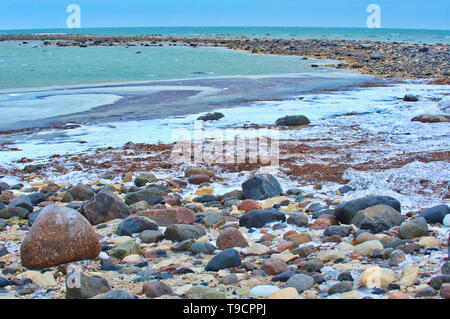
(59, 235)
(105, 206)
(170, 216)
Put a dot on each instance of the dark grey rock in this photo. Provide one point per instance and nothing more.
(298, 220)
(347, 210)
(19, 212)
(151, 236)
(300, 282)
(435, 214)
(341, 287)
(202, 247)
(104, 207)
(437, 281)
(312, 265)
(183, 245)
(80, 286)
(143, 179)
(317, 214)
(151, 195)
(293, 120)
(284, 276)
(261, 186)
(135, 224)
(180, 232)
(115, 294)
(342, 231)
(377, 219)
(410, 98)
(227, 258)
(22, 201)
(211, 117)
(258, 218)
(345, 276)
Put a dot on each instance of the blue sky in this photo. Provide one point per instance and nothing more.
(416, 14)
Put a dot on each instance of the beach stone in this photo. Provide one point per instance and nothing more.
(263, 290)
(426, 292)
(125, 249)
(445, 269)
(397, 295)
(155, 289)
(326, 255)
(58, 236)
(410, 98)
(413, 228)
(183, 245)
(436, 214)
(37, 198)
(170, 216)
(104, 207)
(19, 212)
(342, 231)
(363, 237)
(115, 294)
(23, 201)
(198, 171)
(80, 286)
(39, 279)
(257, 249)
(229, 279)
(226, 259)
(143, 179)
(211, 117)
(345, 276)
(274, 266)
(213, 220)
(446, 221)
(299, 220)
(198, 179)
(312, 265)
(230, 237)
(180, 232)
(286, 293)
(437, 281)
(135, 224)
(81, 192)
(409, 248)
(248, 205)
(431, 118)
(2, 224)
(304, 251)
(151, 195)
(151, 236)
(396, 257)
(292, 120)
(258, 218)
(429, 242)
(283, 276)
(377, 277)
(261, 186)
(3, 251)
(340, 287)
(199, 292)
(4, 187)
(394, 243)
(366, 248)
(202, 247)
(300, 282)
(346, 211)
(377, 218)
(444, 292)
(4, 282)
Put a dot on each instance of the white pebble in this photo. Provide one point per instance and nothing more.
(447, 220)
(263, 290)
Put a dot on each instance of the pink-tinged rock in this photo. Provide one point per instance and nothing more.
(170, 216)
(248, 205)
(230, 237)
(198, 179)
(274, 267)
(397, 295)
(59, 235)
(444, 292)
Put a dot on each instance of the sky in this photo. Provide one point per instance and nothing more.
(41, 14)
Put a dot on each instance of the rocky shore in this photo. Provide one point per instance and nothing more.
(383, 59)
(139, 236)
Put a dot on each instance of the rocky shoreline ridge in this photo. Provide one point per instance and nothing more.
(381, 59)
(149, 237)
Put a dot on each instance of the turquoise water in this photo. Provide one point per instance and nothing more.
(391, 35)
(34, 65)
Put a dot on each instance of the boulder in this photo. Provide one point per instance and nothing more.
(261, 186)
(104, 207)
(347, 210)
(377, 219)
(59, 235)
